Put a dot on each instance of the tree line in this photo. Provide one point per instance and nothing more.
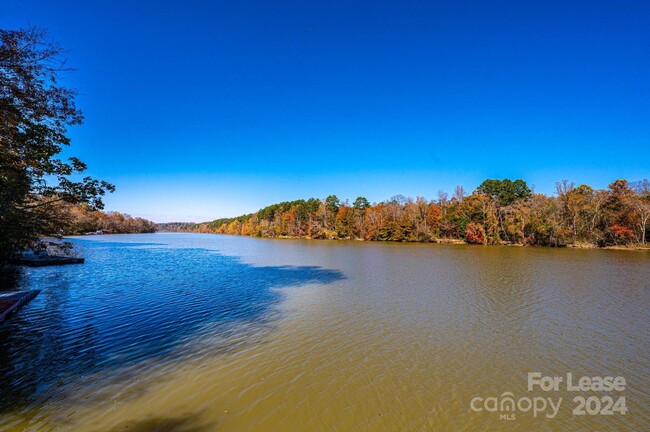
(83, 219)
(44, 195)
(496, 212)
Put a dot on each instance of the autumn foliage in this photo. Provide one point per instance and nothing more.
(82, 219)
(475, 233)
(497, 212)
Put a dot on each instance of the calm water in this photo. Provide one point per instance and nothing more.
(204, 332)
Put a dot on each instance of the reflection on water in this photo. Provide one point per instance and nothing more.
(133, 303)
(201, 332)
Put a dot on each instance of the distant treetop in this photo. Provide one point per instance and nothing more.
(506, 190)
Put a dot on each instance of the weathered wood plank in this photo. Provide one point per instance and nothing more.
(12, 300)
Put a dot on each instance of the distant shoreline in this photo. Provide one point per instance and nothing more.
(434, 241)
(497, 212)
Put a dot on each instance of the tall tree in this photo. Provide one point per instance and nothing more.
(641, 203)
(361, 203)
(35, 113)
(506, 190)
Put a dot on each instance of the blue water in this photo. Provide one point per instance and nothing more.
(133, 302)
(211, 332)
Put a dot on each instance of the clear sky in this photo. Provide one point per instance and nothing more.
(205, 109)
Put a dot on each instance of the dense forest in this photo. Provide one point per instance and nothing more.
(83, 219)
(496, 212)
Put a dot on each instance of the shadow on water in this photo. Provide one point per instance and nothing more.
(127, 306)
(166, 424)
(10, 277)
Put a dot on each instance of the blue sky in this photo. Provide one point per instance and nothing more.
(198, 110)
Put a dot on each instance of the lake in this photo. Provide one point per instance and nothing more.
(198, 332)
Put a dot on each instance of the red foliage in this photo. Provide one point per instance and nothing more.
(474, 233)
(622, 233)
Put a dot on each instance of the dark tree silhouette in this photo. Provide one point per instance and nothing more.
(35, 113)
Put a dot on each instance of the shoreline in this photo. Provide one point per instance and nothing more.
(587, 246)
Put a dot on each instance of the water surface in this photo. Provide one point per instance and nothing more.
(196, 332)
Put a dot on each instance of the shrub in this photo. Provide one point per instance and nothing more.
(474, 233)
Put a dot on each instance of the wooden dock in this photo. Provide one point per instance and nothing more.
(12, 300)
(46, 260)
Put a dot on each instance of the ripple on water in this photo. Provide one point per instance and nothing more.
(164, 331)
